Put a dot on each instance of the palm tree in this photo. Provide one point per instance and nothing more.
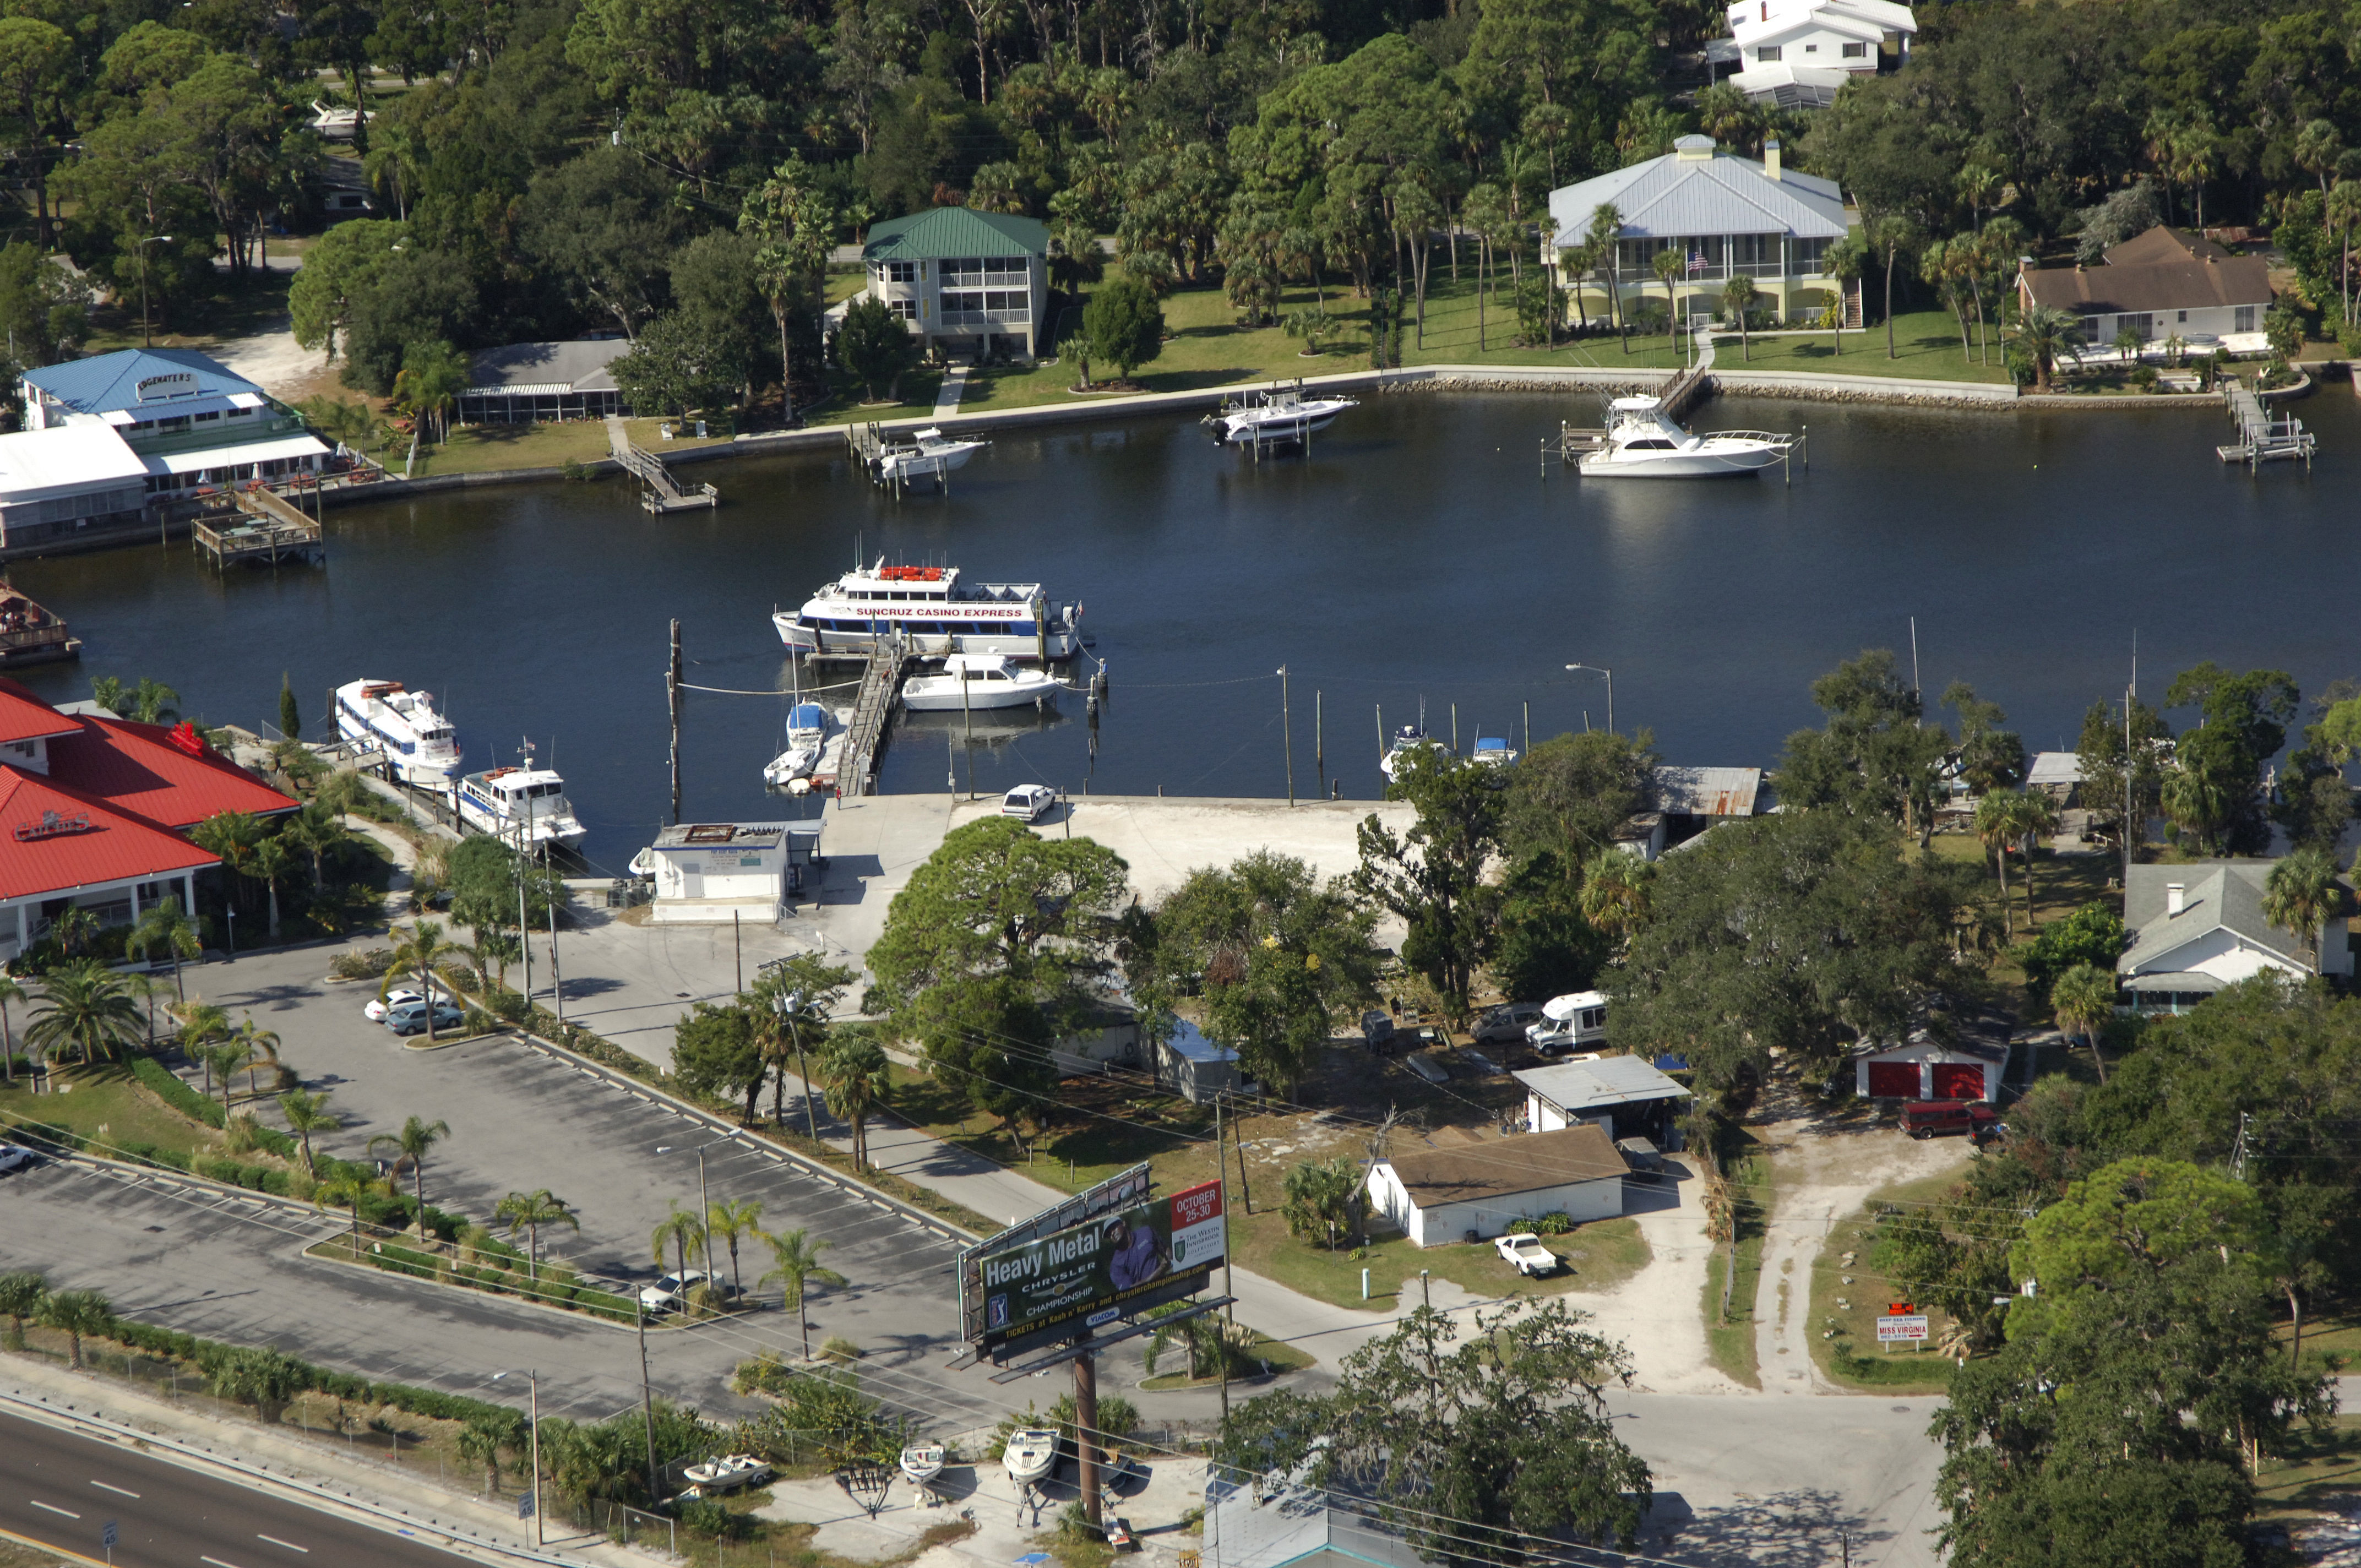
(859, 1079)
(798, 1258)
(421, 955)
(307, 1112)
(85, 1005)
(433, 375)
(414, 1141)
(345, 1192)
(1606, 230)
(1667, 267)
(77, 1313)
(150, 702)
(2301, 893)
(9, 991)
(270, 861)
(201, 1024)
(732, 1222)
(1737, 296)
(165, 926)
(2045, 333)
(2083, 998)
(316, 829)
(260, 1044)
(2343, 216)
(227, 1060)
(2042, 820)
(684, 1232)
(1841, 264)
(2003, 817)
(22, 1291)
(1615, 885)
(529, 1211)
(74, 927)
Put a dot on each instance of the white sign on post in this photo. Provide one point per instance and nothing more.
(1902, 1328)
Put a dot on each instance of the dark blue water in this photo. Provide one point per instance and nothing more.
(1418, 552)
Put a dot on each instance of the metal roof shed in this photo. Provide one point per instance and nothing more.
(1623, 1095)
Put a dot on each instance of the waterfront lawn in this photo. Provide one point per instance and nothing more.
(483, 448)
(1852, 1357)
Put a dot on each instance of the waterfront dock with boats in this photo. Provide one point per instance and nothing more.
(2263, 438)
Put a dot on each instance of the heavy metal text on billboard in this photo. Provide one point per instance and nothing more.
(1085, 1273)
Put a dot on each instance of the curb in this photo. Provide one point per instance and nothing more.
(956, 1235)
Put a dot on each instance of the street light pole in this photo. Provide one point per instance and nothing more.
(1603, 670)
(533, 1383)
(147, 338)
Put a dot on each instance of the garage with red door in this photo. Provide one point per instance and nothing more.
(1969, 1065)
(1892, 1080)
(1960, 1081)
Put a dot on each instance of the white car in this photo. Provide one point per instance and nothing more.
(378, 1006)
(1028, 803)
(671, 1292)
(14, 1157)
(1524, 1253)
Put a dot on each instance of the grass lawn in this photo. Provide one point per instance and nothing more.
(2317, 1475)
(1729, 1337)
(1599, 1256)
(1273, 1354)
(231, 308)
(106, 1104)
(1850, 1355)
(480, 448)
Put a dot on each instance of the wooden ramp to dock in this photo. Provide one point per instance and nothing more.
(2261, 438)
(872, 709)
(270, 530)
(659, 491)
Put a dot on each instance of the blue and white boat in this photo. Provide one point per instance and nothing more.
(403, 724)
(523, 807)
(808, 730)
(1409, 739)
(1493, 751)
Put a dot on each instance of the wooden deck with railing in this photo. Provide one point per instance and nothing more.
(268, 530)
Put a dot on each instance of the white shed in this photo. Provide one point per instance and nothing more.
(1437, 1196)
(1624, 1096)
(1193, 1066)
(714, 872)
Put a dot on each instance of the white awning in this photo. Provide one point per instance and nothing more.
(237, 457)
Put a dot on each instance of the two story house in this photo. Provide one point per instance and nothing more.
(1797, 53)
(967, 282)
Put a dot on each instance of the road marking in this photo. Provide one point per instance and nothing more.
(116, 1490)
(288, 1544)
(48, 1509)
(218, 1562)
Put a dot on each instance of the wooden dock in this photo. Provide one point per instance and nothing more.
(659, 491)
(873, 711)
(2261, 438)
(269, 530)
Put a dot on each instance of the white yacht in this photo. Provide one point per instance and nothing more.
(524, 807)
(971, 682)
(932, 453)
(1642, 442)
(1031, 1454)
(932, 608)
(1409, 738)
(403, 724)
(808, 730)
(1269, 417)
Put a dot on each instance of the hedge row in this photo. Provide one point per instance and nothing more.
(206, 1354)
(174, 1091)
(506, 1276)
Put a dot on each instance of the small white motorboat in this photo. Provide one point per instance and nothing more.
(1031, 1454)
(922, 1462)
(526, 807)
(726, 1474)
(974, 682)
(1493, 751)
(807, 731)
(1275, 417)
(1409, 738)
(931, 453)
(1642, 442)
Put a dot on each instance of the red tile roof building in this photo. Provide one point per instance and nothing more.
(94, 812)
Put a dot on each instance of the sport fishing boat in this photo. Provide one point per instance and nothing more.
(807, 731)
(1031, 1454)
(403, 724)
(931, 453)
(1409, 738)
(526, 807)
(922, 1462)
(1642, 442)
(1275, 417)
(934, 611)
(975, 680)
(1493, 751)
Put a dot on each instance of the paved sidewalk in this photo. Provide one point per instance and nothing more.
(947, 397)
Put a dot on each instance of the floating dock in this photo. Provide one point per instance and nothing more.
(2261, 438)
(270, 530)
(659, 491)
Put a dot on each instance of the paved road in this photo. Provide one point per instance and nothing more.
(61, 1489)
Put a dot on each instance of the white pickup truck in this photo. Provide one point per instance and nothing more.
(1524, 1253)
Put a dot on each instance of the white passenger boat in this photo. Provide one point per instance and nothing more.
(1642, 442)
(523, 807)
(972, 682)
(922, 1462)
(1279, 416)
(931, 454)
(1409, 738)
(403, 724)
(935, 611)
(807, 731)
(1031, 1454)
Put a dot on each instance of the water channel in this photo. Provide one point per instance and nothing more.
(1418, 552)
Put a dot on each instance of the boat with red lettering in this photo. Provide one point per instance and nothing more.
(935, 611)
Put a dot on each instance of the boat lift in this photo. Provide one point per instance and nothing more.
(2261, 438)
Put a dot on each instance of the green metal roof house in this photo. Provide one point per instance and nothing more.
(963, 279)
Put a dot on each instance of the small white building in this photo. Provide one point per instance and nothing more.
(1469, 1191)
(55, 482)
(2197, 929)
(1624, 1097)
(1797, 53)
(1190, 1065)
(717, 872)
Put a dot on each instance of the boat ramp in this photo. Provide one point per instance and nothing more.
(2261, 437)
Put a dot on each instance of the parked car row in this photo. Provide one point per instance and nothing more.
(403, 1011)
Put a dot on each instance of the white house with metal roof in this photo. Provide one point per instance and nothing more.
(2197, 929)
(529, 383)
(1797, 53)
(1623, 1095)
(1723, 215)
(963, 280)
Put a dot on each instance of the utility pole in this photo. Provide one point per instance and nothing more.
(1288, 730)
(2131, 694)
(672, 698)
(1086, 1430)
(2238, 1150)
(1319, 739)
(556, 985)
(647, 1398)
(525, 927)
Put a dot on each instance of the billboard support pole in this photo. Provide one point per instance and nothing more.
(1086, 1430)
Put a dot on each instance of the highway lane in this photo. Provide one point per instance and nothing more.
(60, 1489)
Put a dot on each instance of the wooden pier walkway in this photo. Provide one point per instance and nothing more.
(273, 529)
(873, 711)
(2261, 438)
(659, 491)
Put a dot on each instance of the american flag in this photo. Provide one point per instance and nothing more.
(1697, 262)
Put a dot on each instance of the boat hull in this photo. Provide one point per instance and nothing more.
(829, 642)
(934, 693)
(1236, 432)
(405, 770)
(1709, 464)
(564, 831)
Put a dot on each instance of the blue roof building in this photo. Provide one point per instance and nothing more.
(127, 379)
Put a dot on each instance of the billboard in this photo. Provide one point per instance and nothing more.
(1902, 1328)
(1044, 1287)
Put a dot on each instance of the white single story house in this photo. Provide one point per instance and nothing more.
(1923, 1067)
(1624, 1097)
(1250, 1523)
(962, 279)
(2197, 929)
(1722, 216)
(2165, 283)
(528, 383)
(709, 873)
(1468, 1191)
(1194, 1068)
(1797, 53)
